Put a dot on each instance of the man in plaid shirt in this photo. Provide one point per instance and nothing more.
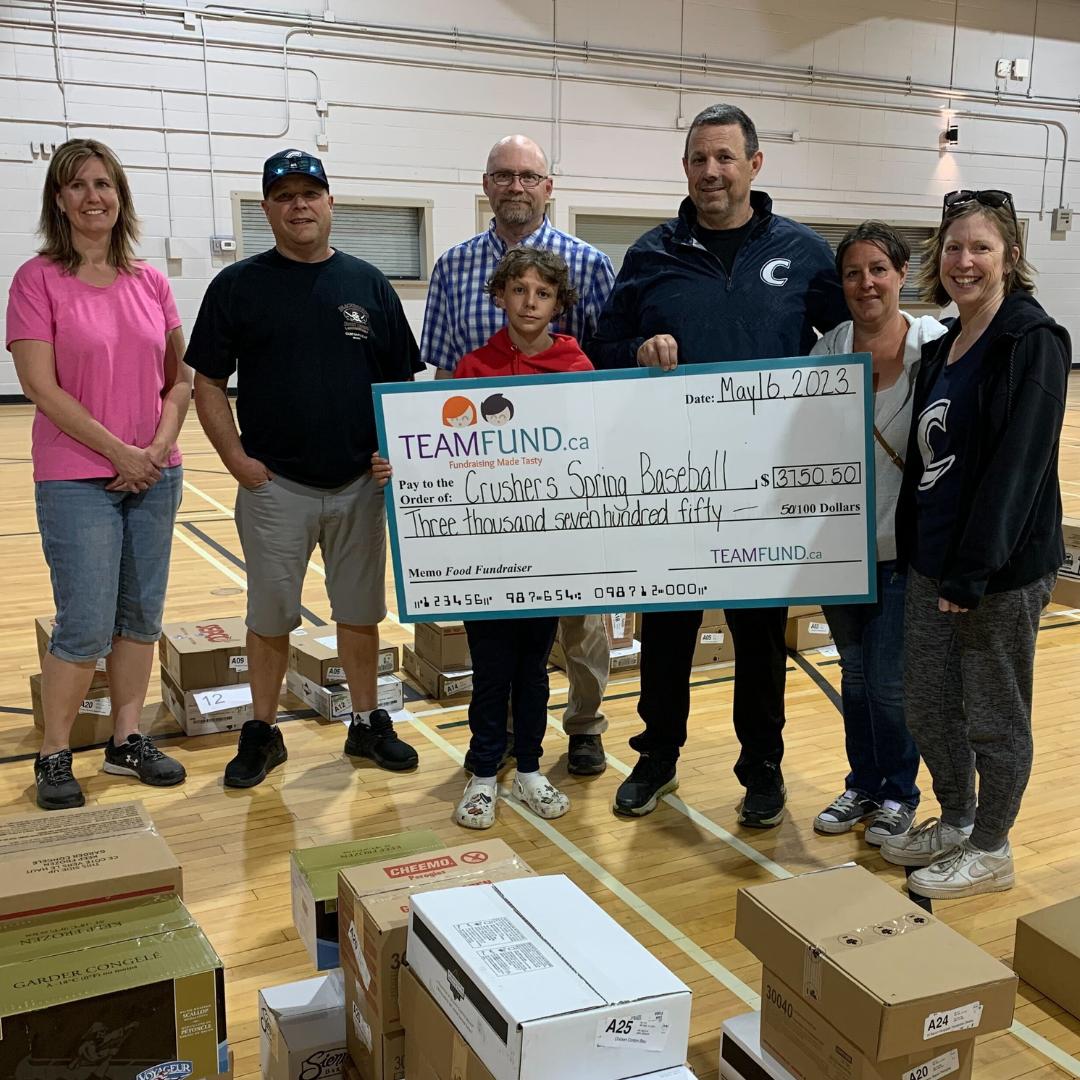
(460, 317)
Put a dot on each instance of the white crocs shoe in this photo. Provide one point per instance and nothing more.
(476, 810)
(540, 797)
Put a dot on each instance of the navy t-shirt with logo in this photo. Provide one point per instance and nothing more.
(307, 342)
(944, 427)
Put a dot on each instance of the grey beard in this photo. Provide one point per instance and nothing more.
(514, 213)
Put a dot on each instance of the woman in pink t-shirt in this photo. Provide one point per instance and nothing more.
(99, 350)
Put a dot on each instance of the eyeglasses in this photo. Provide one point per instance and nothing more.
(504, 178)
(992, 197)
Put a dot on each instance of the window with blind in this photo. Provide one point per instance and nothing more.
(614, 234)
(915, 235)
(389, 237)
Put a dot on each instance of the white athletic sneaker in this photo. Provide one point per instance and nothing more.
(925, 844)
(540, 797)
(477, 807)
(965, 871)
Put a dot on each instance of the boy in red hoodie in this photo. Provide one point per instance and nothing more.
(509, 656)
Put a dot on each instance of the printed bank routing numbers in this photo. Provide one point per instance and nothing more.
(715, 485)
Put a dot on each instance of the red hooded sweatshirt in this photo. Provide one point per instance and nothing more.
(500, 356)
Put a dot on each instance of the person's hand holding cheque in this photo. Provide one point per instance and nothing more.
(381, 470)
(661, 351)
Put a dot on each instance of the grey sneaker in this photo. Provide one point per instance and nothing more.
(965, 871)
(845, 812)
(892, 820)
(925, 844)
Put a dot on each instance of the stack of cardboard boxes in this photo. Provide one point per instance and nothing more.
(93, 722)
(439, 661)
(204, 674)
(807, 629)
(562, 978)
(859, 983)
(101, 965)
(316, 676)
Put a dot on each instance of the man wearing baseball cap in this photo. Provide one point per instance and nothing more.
(308, 330)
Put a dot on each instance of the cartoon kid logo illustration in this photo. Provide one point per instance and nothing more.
(497, 410)
(458, 411)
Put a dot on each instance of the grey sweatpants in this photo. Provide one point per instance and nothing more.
(967, 685)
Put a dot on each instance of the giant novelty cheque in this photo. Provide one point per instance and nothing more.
(714, 485)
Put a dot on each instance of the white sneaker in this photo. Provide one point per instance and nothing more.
(925, 844)
(965, 871)
(541, 798)
(477, 807)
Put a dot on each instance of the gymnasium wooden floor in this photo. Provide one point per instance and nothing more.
(670, 878)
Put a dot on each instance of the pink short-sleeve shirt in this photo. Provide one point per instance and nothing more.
(109, 348)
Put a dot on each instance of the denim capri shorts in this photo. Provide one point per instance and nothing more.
(108, 555)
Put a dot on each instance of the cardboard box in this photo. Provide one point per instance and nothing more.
(741, 1054)
(444, 645)
(302, 1029)
(373, 915)
(84, 856)
(627, 659)
(455, 685)
(314, 872)
(94, 724)
(204, 655)
(1047, 953)
(541, 982)
(808, 632)
(434, 1050)
(203, 712)
(314, 655)
(43, 629)
(620, 627)
(122, 990)
(809, 1047)
(334, 702)
(874, 964)
(714, 646)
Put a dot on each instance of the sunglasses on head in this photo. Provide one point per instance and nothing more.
(992, 197)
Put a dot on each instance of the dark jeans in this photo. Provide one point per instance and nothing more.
(509, 658)
(870, 639)
(668, 639)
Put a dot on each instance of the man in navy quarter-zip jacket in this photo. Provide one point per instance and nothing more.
(725, 280)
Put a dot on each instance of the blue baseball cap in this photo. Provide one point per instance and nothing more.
(292, 163)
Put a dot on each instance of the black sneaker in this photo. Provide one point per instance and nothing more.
(261, 748)
(508, 759)
(378, 740)
(138, 756)
(763, 804)
(586, 755)
(650, 779)
(57, 788)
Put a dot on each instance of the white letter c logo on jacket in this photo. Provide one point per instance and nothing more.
(768, 271)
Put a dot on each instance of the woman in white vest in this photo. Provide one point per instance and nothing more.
(880, 788)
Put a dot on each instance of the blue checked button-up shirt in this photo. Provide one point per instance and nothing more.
(460, 316)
